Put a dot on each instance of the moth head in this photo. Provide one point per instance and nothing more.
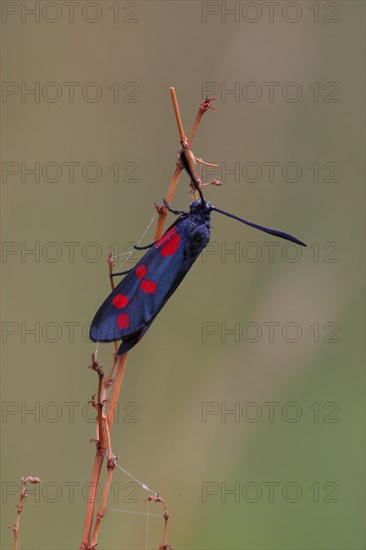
(201, 207)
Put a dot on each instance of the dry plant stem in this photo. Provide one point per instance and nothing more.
(200, 161)
(99, 403)
(121, 363)
(174, 181)
(102, 507)
(98, 463)
(203, 108)
(164, 545)
(169, 196)
(99, 458)
(105, 423)
(178, 118)
(109, 378)
(23, 494)
(110, 270)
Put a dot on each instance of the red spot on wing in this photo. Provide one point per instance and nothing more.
(171, 246)
(141, 271)
(123, 320)
(120, 301)
(165, 237)
(148, 286)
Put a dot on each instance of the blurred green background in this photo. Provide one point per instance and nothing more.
(286, 469)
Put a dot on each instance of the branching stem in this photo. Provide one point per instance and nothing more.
(115, 376)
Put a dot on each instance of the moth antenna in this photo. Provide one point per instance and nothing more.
(195, 180)
(274, 232)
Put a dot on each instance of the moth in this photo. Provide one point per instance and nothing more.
(132, 306)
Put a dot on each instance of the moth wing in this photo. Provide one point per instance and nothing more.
(139, 297)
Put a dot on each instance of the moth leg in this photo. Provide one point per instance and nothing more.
(120, 273)
(145, 247)
(175, 212)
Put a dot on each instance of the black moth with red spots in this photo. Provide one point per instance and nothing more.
(130, 309)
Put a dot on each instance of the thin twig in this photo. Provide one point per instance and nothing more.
(178, 118)
(203, 108)
(186, 143)
(23, 494)
(92, 496)
(111, 464)
(200, 161)
(109, 378)
(99, 403)
(164, 545)
(162, 211)
(98, 462)
(110, 271)
(121, 363)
